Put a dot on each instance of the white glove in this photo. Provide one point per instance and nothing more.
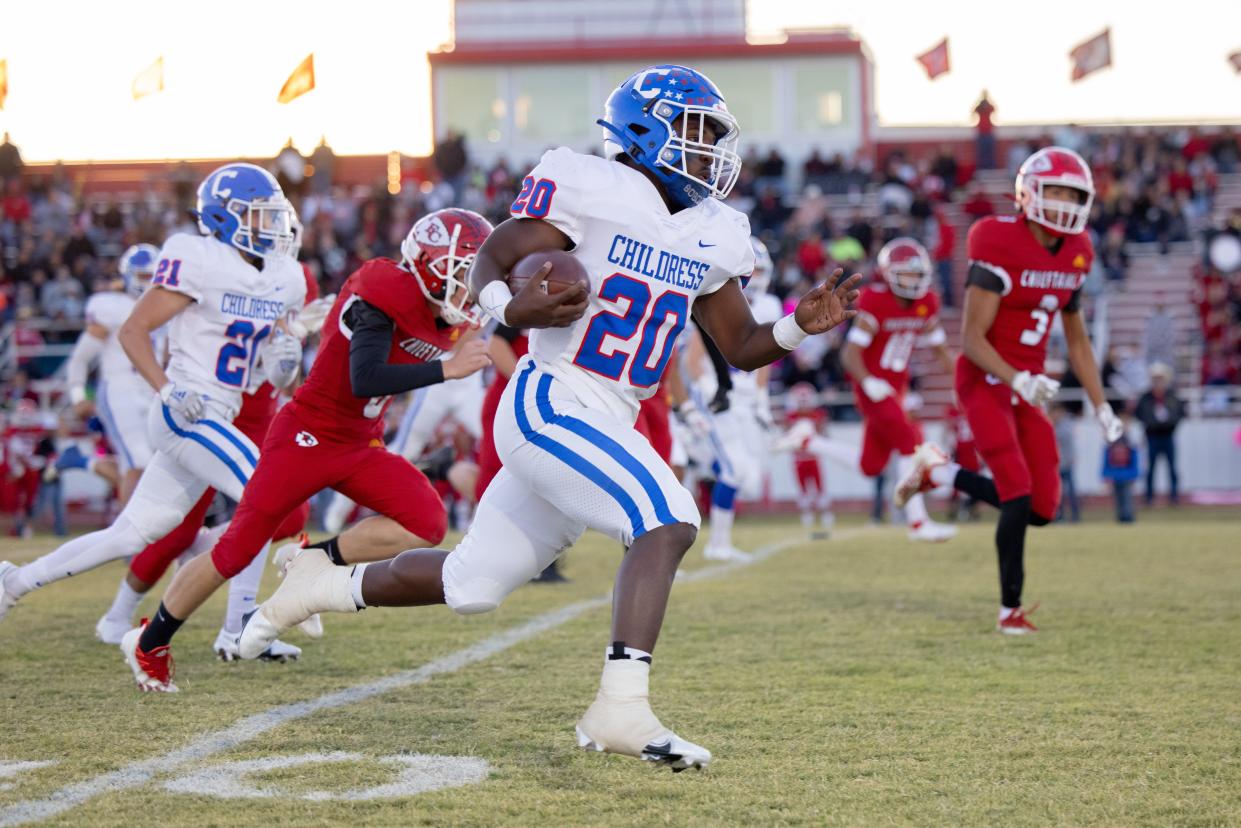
(693, 418)
(1113, 428)
(762, 411)
(282, 357)
(190, 405)
(877, 389)
(1035, 389)
(309, 320)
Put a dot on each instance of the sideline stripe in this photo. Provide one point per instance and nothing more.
(139, 773)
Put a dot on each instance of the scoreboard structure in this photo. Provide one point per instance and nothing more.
(521, 77)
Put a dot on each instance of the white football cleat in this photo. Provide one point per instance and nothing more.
(111, 630)
(928, 531)
(620, 721)
(796, 437)
(725, 553)
(7, 599)
(337, 512)
(227, 649)
(312, 583)
(312, 626)
(152, 671)
(926, 457)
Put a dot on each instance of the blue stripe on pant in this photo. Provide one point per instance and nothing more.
(572, 459)
(203, 441)
(110, 425)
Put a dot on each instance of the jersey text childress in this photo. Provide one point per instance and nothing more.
(234, 304)
(635, 256)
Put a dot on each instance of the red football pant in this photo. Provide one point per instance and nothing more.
(1016, 440)
(808, 471)
(886, 428)
(653, 424)
(289, 472)
(489, 464)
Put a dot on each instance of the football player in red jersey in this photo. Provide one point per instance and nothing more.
(382, 337)
(1024, 269)
(801, 405)
(894, 316)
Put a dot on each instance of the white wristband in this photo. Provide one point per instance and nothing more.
(788, 333)
(165, 390)
(494, 298)
(77, 394)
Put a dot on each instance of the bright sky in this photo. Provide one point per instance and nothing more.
(71, 65)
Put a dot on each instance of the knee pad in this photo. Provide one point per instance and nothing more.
(480, 573)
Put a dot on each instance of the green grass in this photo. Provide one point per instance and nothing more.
(857, 681)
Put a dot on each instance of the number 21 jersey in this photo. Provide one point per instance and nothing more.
(646, 267)
(1034, 284)
(214, 343)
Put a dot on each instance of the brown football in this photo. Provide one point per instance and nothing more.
(566, 271)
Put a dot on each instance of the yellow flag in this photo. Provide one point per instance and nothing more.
(150, 80)
(300, 82)
(4, 81)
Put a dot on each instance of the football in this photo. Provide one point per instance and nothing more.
(566, 271)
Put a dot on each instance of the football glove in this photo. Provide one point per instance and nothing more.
(310, 319)
(1113, 428)
(1035, 389)
(282, 357)
(762, 411)
(877, 389)
(693, 418)
(187, 404)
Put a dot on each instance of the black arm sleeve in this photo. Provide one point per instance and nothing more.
(981, 277)
(506, 333)
(1075, 301)
(370, 373)
(723, 378)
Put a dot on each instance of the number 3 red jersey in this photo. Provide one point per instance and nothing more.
(1036, 284)
(325, 403)
(899, 325)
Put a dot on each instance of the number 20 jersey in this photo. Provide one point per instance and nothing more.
(214, 343)
(646, 267)
(1037, 284)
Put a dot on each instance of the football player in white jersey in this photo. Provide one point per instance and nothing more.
(649, 225)
(222, 294)
(122, 398)
(740, 434)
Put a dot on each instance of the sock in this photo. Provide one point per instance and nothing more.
(915, 511)
(355, 584)
(79, 555)
(721, 531)
(807, 519)
(837, 451)
(976, 486)
(945, 475)
(126, 601)
(160, 630)
(1007, 611)
(619, 652)
(332, 547)
(1010, 543)
(243, 591)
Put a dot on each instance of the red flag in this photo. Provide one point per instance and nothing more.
(1235, 60)
(1092, 55)
(300, 82)
(935, 61)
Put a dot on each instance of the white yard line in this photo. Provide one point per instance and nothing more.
(139, 773)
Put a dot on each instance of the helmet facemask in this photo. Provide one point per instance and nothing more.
(264, 227)
(448, 272)
(1070, 217)
(687, 126)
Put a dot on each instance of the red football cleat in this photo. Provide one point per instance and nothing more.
(1016, 622)
(153, 671)
(926, 457)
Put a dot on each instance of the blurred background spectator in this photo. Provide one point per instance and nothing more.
(1160, 411)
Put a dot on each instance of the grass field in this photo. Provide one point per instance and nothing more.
(852, 681)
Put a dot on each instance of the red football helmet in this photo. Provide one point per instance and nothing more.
(439, 250)
(906, 267)
(1055, 167)
(802, 397)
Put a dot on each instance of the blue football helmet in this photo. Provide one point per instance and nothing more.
(137, 266)
(242, 205)
(659, 118)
